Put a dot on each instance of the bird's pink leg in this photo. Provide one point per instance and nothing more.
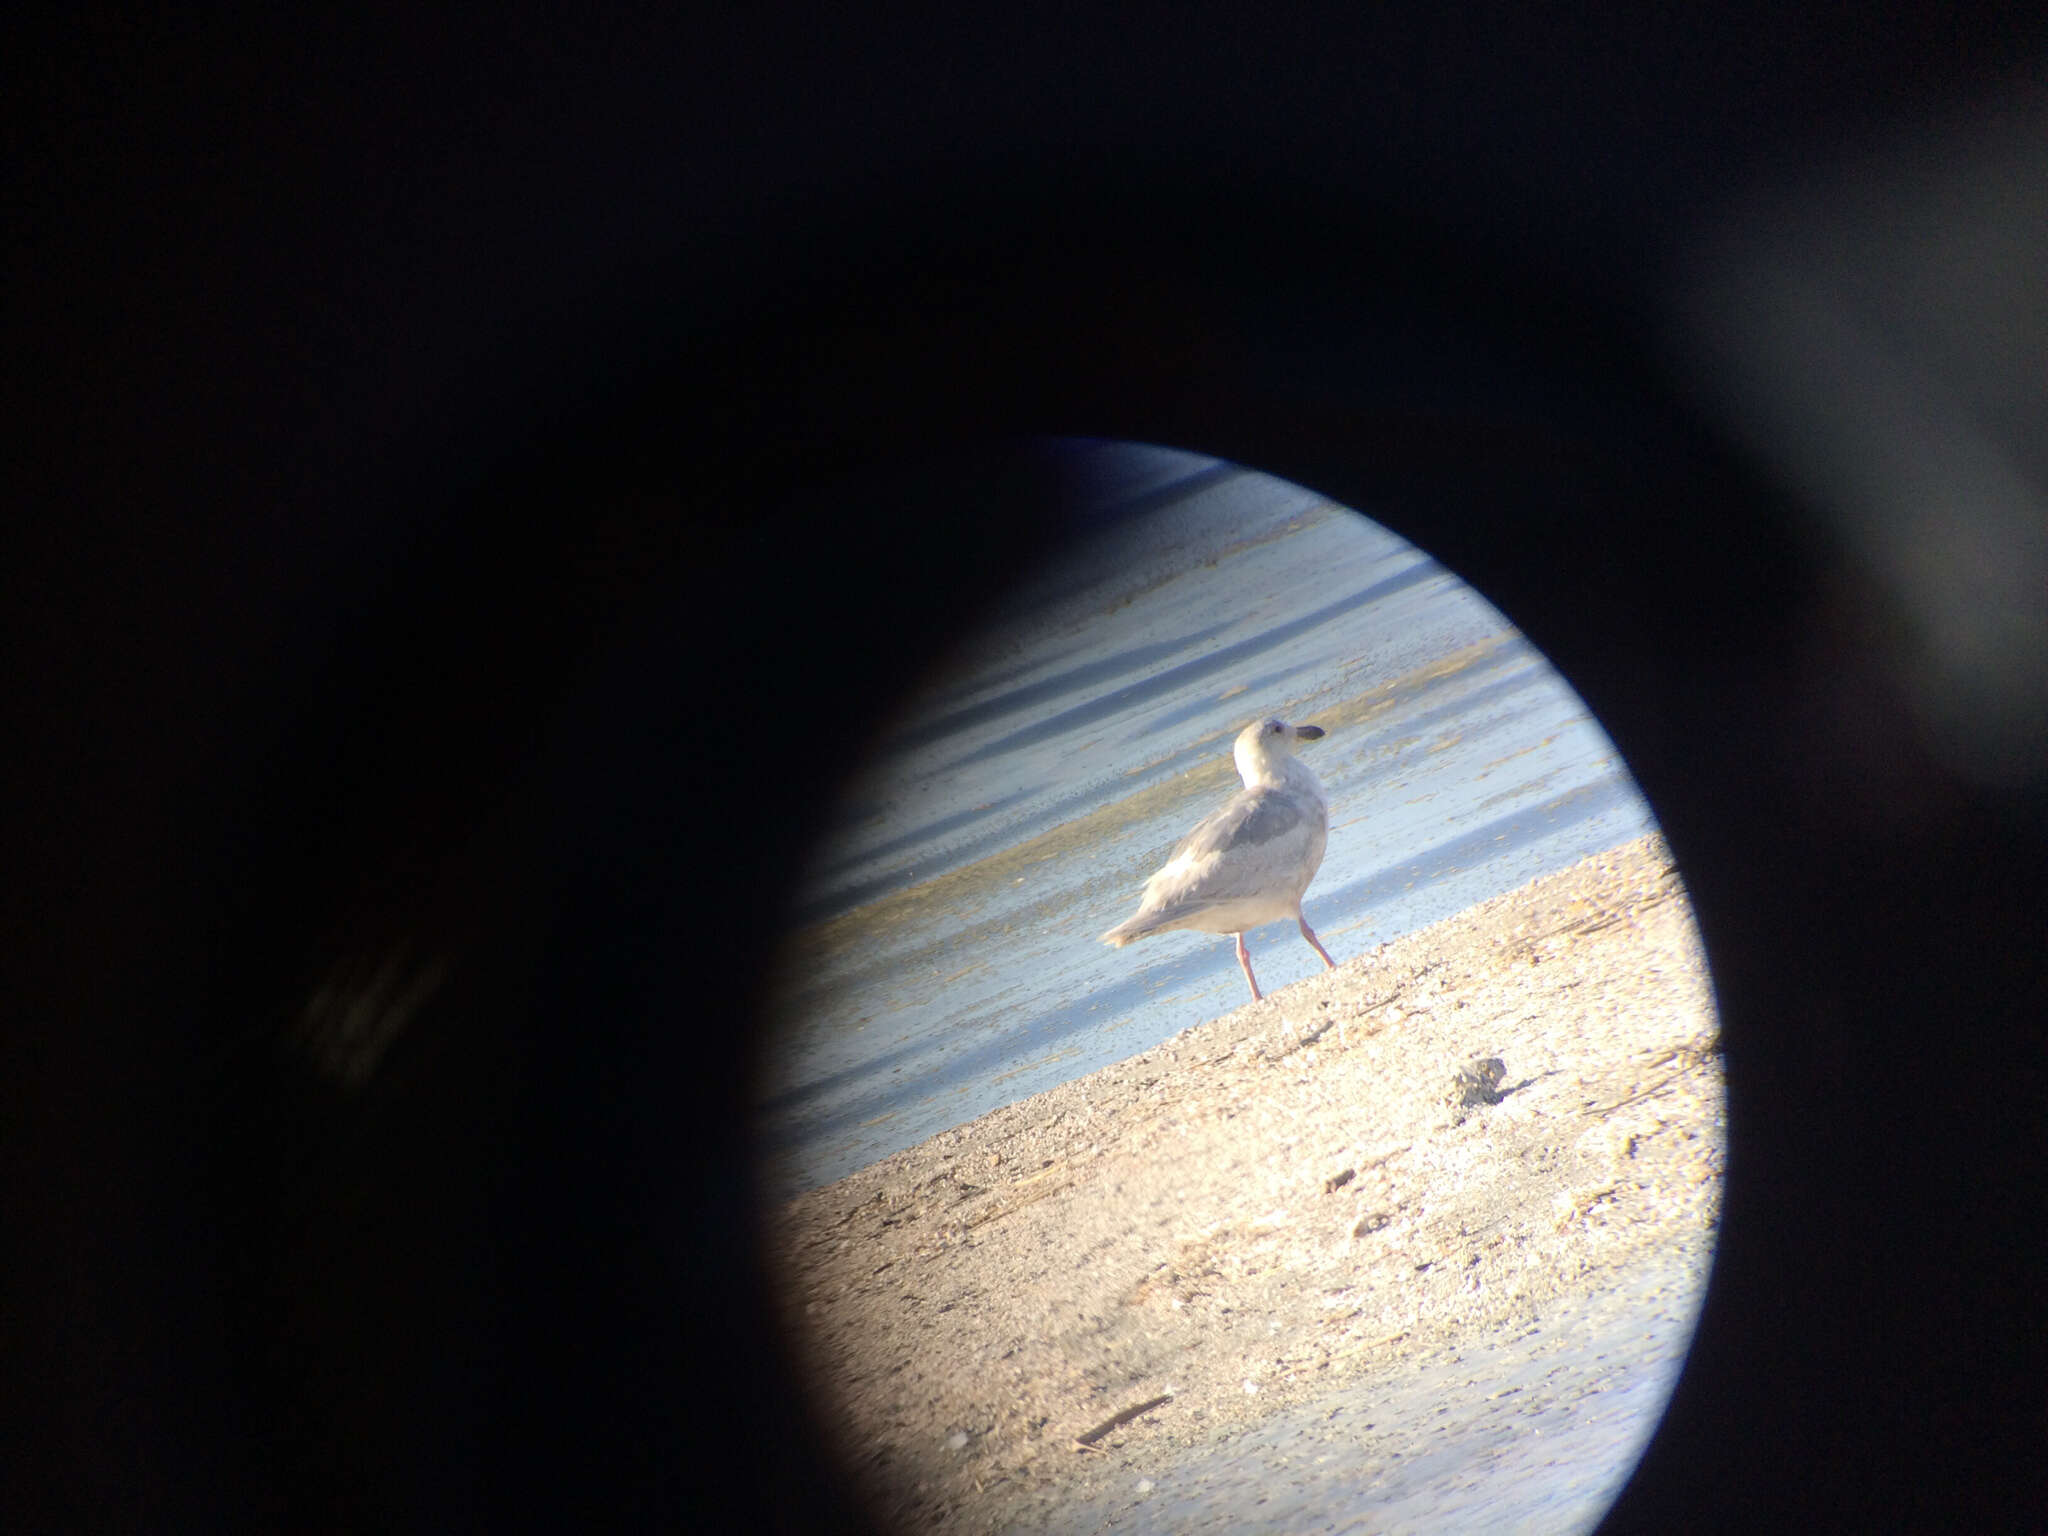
(1309, 934)
(1244, 959)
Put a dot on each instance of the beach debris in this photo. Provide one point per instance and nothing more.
(1477, 1082)
(1086, 1441)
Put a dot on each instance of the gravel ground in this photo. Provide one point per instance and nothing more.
(1362, 1248)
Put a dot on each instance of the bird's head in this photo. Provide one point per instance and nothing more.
(1265, 742)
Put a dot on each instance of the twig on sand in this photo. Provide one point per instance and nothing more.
(1087, 1441)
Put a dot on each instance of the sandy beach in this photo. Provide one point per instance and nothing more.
(1034, 1314)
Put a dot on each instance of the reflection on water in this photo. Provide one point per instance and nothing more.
(943, 958)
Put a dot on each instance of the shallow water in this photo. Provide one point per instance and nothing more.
(943, 958)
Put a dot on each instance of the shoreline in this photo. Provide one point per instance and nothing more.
(1285, 1201)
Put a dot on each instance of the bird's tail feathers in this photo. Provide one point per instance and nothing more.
(1127, 930)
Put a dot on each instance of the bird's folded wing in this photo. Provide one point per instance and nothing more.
(1257, 844)
(1250, 819)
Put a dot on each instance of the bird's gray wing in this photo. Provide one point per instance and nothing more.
(1252, 818)
(1257, 843)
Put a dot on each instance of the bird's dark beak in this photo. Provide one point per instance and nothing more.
(1308, 732)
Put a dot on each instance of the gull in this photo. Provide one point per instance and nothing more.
(1249, 862)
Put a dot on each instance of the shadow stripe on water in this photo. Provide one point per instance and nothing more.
(1132, 695)
(1474, 663)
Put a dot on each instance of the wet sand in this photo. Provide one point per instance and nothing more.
(1051, 1316)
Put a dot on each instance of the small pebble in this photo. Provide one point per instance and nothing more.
(1144, 1485)
(957, 1441)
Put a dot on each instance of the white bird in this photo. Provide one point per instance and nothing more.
(1248, 863)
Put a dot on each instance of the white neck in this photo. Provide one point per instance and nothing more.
(1260, 765)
